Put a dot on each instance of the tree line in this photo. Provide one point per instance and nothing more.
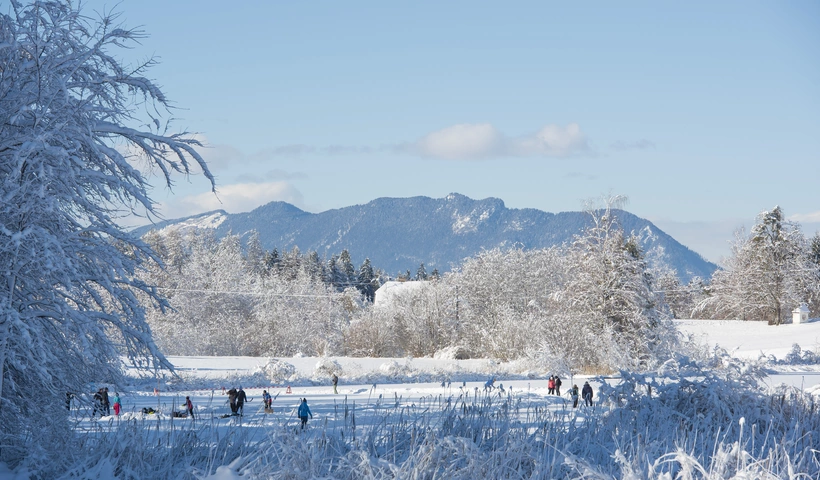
(593, 304)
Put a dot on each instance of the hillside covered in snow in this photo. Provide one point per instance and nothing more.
(398, 234)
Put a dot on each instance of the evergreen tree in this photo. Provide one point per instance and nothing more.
(291, 263)
(255, 254)
(421, 273)
(768, 274)
(332, 272)
(814, 253)
(272, 261)
(367, 283)
(347, 273)
(313, 266)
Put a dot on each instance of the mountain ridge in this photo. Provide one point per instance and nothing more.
(398, 234)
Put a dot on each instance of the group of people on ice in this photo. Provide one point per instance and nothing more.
(102, 402)
(554, 385)
(237, 399)
(554, 388)
(586, 394)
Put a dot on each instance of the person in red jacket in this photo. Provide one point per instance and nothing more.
(190, 406)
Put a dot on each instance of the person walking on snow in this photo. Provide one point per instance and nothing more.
(557, 386)
(551, 386)
(117, 405)
(303, 412)
(335, 381)
(106, 402)
(266, 398)
(190, 406)
(573, 393)
(241, 398)
(586, 392)
(232, 393)
(98, 404)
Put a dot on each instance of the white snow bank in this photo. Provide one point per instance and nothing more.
(751, 339)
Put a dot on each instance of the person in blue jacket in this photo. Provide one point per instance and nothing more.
(303, 412)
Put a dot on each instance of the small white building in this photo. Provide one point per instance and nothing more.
(800, 314)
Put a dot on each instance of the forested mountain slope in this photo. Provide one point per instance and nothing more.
(398, 234)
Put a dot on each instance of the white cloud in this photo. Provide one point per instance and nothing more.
(551, 141)
(479, 141)
(234, 198)
(464, 141)
(461, 142)
(812, 217)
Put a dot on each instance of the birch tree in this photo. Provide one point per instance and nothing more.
(68, 304)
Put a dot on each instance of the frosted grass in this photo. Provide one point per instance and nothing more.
(684, 421)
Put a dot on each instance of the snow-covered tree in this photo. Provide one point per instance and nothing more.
(367, 282)
(769, 273)
(421, 272)
(255, 254)
(346, 270)
(504, 300)
(272, 261)
(609, 288)
(814, 249)
(69, 143)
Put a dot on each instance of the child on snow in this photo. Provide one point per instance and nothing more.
(303, 412)
(268, 401)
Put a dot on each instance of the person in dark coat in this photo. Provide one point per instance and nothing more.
(106, 403)
(586, 392)
(232, 394)
(303, 412)
(557, 385)
(241, 398)
(335, 381)
(573, 393)
(98, 404)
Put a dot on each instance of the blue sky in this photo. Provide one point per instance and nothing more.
(703, 113)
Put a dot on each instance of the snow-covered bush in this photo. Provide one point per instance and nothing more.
(277, 371)
(799, 356)
(393, 369)
(326, 367)
(454, 352)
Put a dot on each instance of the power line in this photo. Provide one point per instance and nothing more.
(228, 292)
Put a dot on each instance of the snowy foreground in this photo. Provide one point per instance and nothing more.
(396, 418)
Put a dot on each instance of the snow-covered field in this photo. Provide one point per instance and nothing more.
(380, 401)
(751, 339)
